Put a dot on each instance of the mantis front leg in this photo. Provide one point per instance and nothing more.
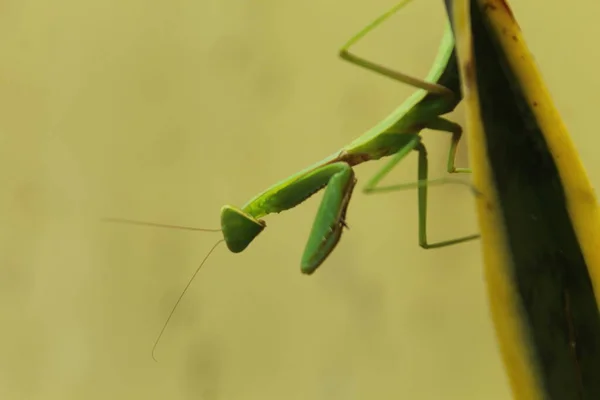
(241, 226)
(330, 219)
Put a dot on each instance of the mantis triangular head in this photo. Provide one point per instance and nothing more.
(239, 228)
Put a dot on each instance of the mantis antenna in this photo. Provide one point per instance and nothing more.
(187, 286)
(181, 297)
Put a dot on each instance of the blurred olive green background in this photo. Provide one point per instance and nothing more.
(167, 110)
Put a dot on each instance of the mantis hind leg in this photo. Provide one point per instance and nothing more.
(346, 55)
(422, 185)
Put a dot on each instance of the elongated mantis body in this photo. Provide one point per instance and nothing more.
(395, 137)
(538, 214)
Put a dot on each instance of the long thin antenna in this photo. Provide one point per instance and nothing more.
(169, 226)
(181, 297)
(134, 222)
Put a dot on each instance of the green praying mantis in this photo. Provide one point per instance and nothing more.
(396, 136)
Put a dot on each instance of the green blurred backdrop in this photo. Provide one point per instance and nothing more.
(167, 110)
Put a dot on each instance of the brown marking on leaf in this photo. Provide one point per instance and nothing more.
(503, 3)
(507, 8)
(514, 38)
(469, 73)
(535, 103)
(489, 6)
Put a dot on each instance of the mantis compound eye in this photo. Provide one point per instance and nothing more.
(239, 228)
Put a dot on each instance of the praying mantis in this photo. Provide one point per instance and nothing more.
(538, 215)
(396, 136)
